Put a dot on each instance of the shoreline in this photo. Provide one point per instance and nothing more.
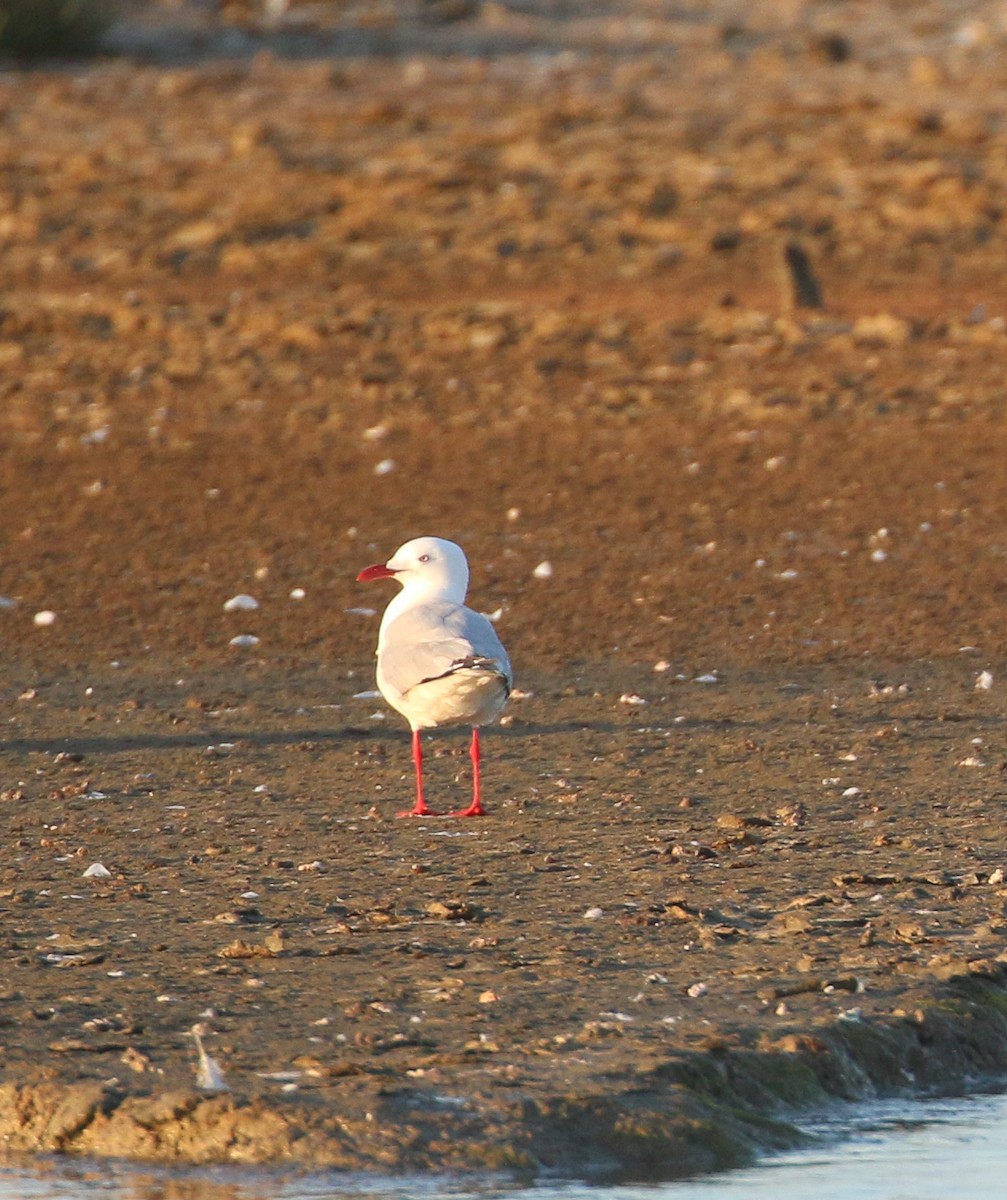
(709, 1112)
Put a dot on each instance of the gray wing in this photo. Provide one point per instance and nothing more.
(435, 639)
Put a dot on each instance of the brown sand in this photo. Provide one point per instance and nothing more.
(746, 840)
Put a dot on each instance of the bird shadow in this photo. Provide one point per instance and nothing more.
(126, 743)
(90, 744)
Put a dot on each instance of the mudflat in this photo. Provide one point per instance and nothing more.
(704, 312)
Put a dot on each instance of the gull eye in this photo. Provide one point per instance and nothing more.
(424, 558)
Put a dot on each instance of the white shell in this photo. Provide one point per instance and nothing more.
(241, 603)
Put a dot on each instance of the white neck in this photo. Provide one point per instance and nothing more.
(419, 590)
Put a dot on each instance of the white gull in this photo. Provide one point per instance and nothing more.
(439, 663)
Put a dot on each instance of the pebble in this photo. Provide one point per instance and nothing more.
(543, 571)
(45, 617)
(241, 603)
(984, 681)
(97, 871)
(244, 640)
(883, 329)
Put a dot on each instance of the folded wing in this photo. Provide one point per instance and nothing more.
(437, 639)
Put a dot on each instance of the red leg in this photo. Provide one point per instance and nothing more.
(475, 809)
(419, 809)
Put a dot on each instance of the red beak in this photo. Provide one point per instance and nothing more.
(378, 571)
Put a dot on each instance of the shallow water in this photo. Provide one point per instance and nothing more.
(894, 1151)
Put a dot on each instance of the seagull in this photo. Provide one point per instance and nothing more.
(439, 663)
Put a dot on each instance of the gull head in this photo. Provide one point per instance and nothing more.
(428, 568)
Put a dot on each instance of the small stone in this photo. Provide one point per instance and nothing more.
(45, 617)
(883, 329)
(97, 871)
(241, 603)
(195, 235)
(135, 1060)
